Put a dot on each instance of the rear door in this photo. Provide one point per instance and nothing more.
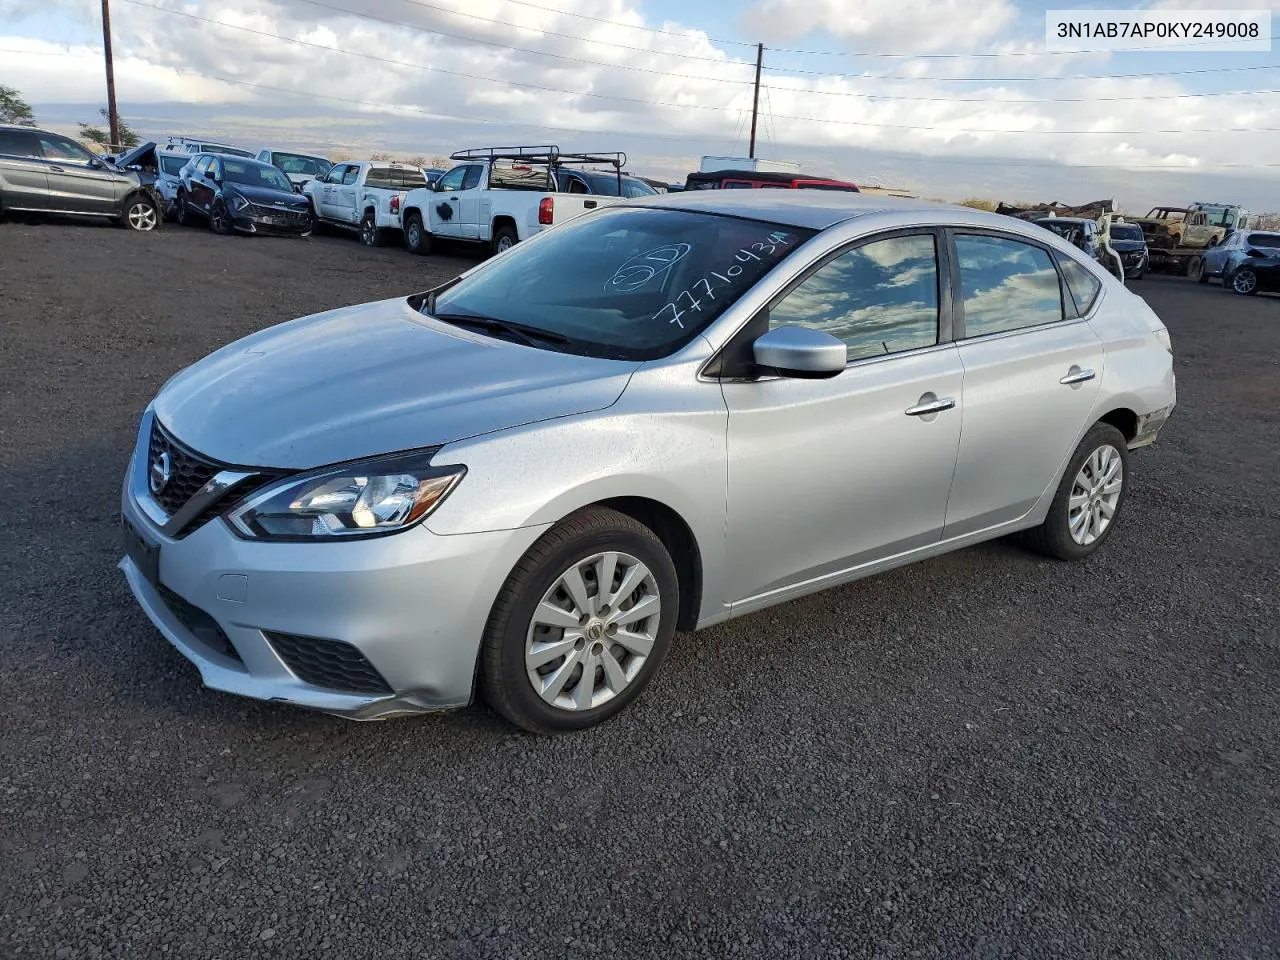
(24, 183)
(1032, 371)
(79, 182)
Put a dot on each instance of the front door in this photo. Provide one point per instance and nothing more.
(1031, 377)
(78, 181)
(469, 203)
(24, 184)
(444, 211)
(342, 201)
(828, 475)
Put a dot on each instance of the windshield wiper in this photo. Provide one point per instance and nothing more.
(529, 336)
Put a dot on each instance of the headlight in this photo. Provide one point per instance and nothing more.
(239, 203)
(370, 498)
(1162, 336)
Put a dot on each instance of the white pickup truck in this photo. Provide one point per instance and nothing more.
(363, 195)
(499, 196)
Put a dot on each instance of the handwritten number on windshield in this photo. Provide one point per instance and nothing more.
(672, 312)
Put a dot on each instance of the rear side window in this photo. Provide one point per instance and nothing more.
(1255, 239)
(1006, 284)
(15, 143)
(471, 179)
(1084, 286)
(350, 176)
(879, 298)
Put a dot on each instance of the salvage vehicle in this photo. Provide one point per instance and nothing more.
(298, 167)
(191, 145)
(1241, 245)
(1129, 243)
(1173, 243)
(45, 172)
(164, 166)
(763, 180)
(499, 196)
(1257, 271)
(363, 195)
(239, 195)
(1077, 231)
(519, 484)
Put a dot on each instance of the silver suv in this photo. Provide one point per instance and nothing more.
(45, 172)
(655, 417)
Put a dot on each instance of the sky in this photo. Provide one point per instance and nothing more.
(945, 98)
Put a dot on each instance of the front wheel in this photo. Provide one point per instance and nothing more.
(141, 214)
(1245, 282)
(416, 238)
(219, 220)
(370, 234)
(1196, 270)
(1089, 498)
(581, 625)
(183, 214)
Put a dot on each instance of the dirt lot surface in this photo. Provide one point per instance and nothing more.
(985, 755)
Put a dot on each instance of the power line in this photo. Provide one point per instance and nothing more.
(1074, 76)
(990, 100)
(420, 66)
(629, 26)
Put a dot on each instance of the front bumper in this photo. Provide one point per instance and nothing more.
(268, 226)
(414, 605)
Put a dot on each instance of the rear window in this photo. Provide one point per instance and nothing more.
(1264, 240)
(520, 177)
(396, 178)
(172, 166)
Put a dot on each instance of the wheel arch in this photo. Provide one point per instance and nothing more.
(1123, 419)
(503, 220)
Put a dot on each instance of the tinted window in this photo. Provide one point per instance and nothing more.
(472, 178)
(15, 143)
(1006, 284)
(633, 283)
(408, 178)
(1126, 231)
(60, 148)
(521, 177)
(636, 188)
(1084, 286)
(452, 180)
(298, 163)
(1264, 240)
(878, 298)
(378, 177)
(350, 175)
(172, 166)
(254, 174)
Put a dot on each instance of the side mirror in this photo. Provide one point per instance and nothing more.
(800, 352)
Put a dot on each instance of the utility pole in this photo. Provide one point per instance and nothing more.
(113, 118)
(755, 102)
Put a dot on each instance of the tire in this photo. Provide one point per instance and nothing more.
(142, 214)
(183, 214)
(370, 233)
(219, 222)
(1196, 270)
(416, 238)
(1244, 282)
(618, 672)
(1055, 537)
(504, 238)
(1138, 276)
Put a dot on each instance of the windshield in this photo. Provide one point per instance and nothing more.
(256, 175)
(1125, 231)
(298, 163)
(1071, 232)
(172, 166)
(627, 283)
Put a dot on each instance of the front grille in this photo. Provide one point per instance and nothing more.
(199, 624)
(331, 664)
(188, 471)
(279, 218)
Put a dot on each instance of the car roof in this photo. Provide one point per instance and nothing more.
(813, 209)
(1044, 220)
(225, 156)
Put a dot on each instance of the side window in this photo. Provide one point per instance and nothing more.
(351, 175)
(472, 178)
(574, 185)
(264, 156)
(452, 180)
(1084, 286)
(60, 148)
(335, 175)
(215, 168)
(202, 166)
(1006, 284)
(17, 143)
(881, 297)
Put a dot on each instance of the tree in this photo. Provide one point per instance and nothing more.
(979, 204)
(381, 156)
(13, 109)
(103, 137)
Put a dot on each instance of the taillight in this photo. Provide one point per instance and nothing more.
(395, 204)
(546, 211)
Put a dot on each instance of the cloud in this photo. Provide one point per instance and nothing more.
(916, 26)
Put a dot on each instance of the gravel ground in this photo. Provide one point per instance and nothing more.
(984, 755)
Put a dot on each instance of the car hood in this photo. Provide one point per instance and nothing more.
(266, 195)
(372, 379)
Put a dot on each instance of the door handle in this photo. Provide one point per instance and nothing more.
(926, 407)
(56, 169)
(589, 204)
(453, 199)
(1077, 375)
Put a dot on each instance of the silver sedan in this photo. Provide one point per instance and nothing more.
(664, 414)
